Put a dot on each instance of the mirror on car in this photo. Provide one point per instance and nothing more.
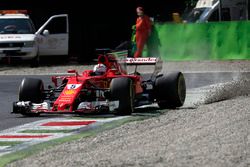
(45, 32)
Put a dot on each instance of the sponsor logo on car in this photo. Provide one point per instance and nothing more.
(73, 86)
(69, 92)
(141, 60)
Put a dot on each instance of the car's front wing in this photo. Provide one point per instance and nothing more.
(84, 107)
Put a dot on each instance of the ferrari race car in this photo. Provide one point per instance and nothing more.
(115, 91)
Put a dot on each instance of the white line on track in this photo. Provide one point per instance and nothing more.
(29, 140)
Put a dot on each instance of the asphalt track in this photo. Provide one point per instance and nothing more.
(9, 93)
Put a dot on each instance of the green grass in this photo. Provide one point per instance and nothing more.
(8, 158)
(9, 143)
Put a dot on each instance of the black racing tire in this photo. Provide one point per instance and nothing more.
(170, 90)
(31, 89)
(122, 89)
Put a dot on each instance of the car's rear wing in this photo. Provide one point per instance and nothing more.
(156, 61)
(122, 57)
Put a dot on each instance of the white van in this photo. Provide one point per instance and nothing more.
(218, 10)
(18, 37)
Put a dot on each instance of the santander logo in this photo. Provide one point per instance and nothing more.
(141, 60)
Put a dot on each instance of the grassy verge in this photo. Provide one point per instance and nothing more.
(9, 143)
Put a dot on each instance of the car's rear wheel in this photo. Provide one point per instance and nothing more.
(31, 90)
(170, 90)
(121, 89)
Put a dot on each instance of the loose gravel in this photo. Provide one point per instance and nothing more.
(211, 135)
(216, 133)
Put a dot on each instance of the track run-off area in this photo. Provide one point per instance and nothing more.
(19, 133)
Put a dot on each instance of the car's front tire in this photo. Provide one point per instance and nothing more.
(122, 89)
(31, 89)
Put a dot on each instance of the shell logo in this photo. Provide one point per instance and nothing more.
(69, 92)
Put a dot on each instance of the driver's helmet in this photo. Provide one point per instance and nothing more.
(100, 69)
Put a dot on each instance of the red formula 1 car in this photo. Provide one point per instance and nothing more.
(114, 91)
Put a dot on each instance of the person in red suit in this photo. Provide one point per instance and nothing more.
(143, 30)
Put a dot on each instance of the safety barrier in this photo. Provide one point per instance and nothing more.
(201, 41)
